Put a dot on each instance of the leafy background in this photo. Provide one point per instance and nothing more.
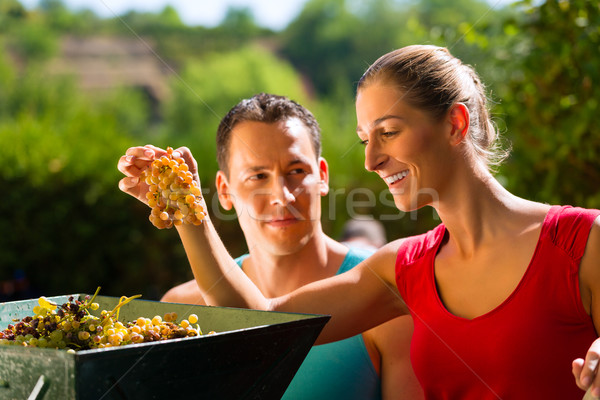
(66, 228)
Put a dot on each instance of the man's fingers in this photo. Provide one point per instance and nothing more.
(590, 372)
(586, 371)
(577, 367)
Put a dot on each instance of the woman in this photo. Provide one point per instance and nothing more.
(504, 294)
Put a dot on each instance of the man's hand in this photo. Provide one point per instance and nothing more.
(586, 371)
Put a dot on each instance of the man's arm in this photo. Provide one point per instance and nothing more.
(186, 293)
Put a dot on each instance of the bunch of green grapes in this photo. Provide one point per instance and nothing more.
(72, 327)
(173, 195)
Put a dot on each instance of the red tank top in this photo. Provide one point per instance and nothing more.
(523, 348)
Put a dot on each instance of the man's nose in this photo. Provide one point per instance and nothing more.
(281, 193)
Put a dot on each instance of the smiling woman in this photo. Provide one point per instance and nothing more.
(504, 293)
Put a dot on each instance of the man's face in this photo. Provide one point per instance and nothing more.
(275, 184)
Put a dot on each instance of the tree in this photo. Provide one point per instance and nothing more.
(11, 11)
(551, 103)
(324, 43)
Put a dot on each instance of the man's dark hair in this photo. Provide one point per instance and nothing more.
(267, 108)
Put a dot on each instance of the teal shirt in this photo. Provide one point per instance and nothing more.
(338, 370)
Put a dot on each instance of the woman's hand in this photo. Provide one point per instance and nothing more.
(138, 159)
(586, 371)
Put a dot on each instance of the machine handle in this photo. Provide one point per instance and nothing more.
(39, 389)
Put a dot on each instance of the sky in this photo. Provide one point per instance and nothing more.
(274, 14)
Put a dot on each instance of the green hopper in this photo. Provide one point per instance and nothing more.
(252, 355)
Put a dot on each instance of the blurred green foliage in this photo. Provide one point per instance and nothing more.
(552, 101)
(68, 228)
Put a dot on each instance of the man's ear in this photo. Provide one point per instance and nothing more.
(459, 121)
(324, 176)
(223, 191)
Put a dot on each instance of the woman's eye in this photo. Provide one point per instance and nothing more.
(389, 133)
(363, 142)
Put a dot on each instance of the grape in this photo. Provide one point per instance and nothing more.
(173, 194)
(82, 335)
(136, 329)
(71, 327)
(115, 339)
(56, 335)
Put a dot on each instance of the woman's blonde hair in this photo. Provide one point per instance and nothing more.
(433, 80)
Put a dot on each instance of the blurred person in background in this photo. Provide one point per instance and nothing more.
(365, 233)
(272, 173)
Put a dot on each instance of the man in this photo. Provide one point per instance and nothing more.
(271, 172)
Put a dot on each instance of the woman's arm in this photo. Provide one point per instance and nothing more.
(220, 281)
(357, 300)
(586, 370)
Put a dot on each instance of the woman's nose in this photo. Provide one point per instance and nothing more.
(374, 158)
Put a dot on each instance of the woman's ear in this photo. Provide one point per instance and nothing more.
(459, 120)
(223, 191)
(324, 176)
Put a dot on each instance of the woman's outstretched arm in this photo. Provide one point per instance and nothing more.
(357, 300)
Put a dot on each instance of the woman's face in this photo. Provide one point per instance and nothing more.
(404, 146)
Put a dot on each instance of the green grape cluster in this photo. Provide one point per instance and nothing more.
(173, 194)
(72, 327)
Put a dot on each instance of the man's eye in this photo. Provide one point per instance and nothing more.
(297, 171)
(257, 177)
(364, 142)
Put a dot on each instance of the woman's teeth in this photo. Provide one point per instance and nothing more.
(396, 177)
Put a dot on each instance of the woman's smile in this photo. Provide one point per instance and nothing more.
(395, 178)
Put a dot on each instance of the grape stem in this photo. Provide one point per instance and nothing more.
(94, 296)
(118, 306)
